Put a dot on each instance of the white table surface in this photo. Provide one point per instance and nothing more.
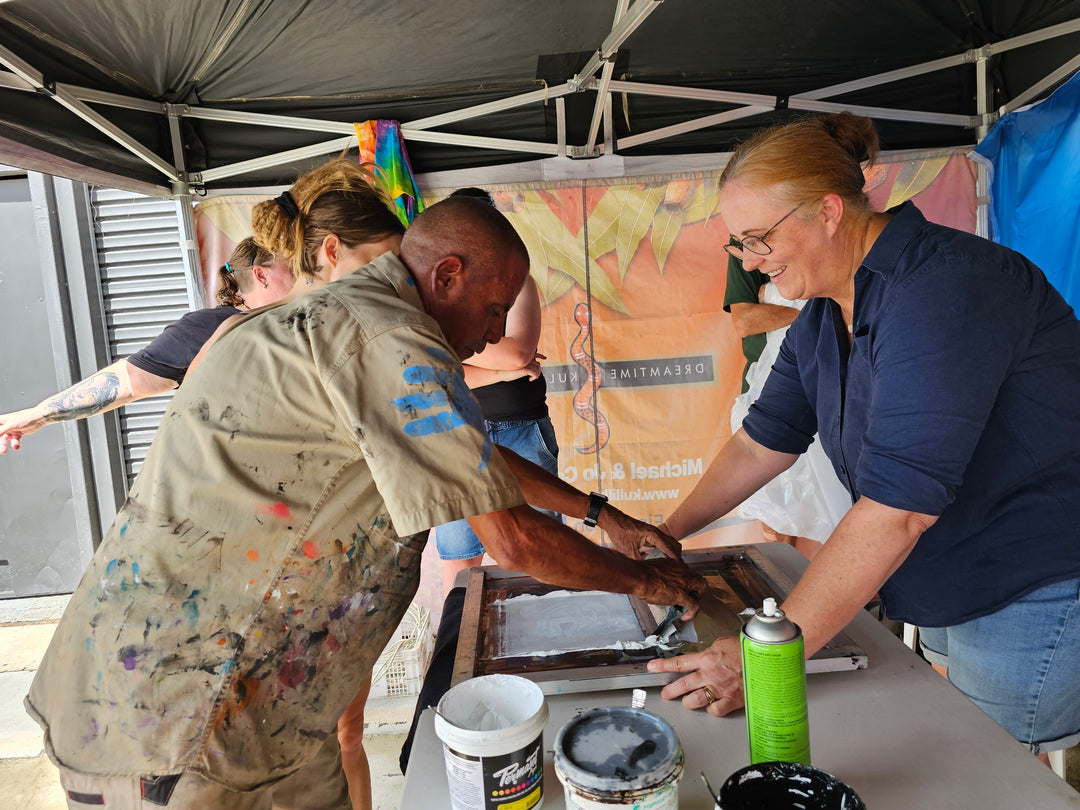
(897, 732)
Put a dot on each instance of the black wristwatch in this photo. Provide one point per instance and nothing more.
(596, 503)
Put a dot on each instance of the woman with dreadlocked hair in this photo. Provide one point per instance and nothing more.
(341, 198)
(252, 278)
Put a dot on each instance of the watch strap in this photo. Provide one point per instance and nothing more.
(596, 503)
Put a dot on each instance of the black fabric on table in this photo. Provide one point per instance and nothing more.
(441, 670)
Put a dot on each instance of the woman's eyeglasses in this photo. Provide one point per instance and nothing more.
(756, 244)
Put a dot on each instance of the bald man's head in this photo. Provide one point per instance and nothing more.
(469, 265)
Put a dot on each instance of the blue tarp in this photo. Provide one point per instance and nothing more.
(1034, 161)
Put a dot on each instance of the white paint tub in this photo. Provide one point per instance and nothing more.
(492, 731)
(619, 758)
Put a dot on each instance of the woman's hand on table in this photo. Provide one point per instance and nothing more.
(719, 668)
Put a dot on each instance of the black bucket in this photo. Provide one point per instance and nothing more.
(783, 785)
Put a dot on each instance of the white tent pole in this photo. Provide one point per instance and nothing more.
(967, 57)
(343, 128)
(264, 119)
(65, 99)
(983, 95)
(609, 126)
(795, 102)
(115, 99)
(480, 141)
(340, 144)
(560, 126)
(602, 88)
(690, 126)
(9, 81)
(490, 107)
(888, 77)
(634, 17)
(602, 96)
(1043, 34)
(1037, 89)
(189, 245)
(885, 113)
(269, 161)
(697, 93)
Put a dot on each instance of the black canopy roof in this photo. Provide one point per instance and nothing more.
(139, 93)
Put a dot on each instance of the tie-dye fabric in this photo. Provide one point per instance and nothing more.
(381, 144)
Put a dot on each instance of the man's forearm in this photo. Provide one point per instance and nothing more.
(551, 552)
(544, 490)
(522, 539)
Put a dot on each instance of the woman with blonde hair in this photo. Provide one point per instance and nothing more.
(341, 198)
(942, 375)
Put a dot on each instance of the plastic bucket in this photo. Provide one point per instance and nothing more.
(492, 729)
(783, 785)
(619, 757)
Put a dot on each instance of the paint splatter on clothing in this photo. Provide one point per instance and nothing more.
(272, 541)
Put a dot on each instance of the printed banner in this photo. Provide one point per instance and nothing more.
(643, 363)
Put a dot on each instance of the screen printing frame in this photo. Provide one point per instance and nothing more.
(751, 576)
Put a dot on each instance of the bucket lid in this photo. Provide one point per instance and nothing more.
(617, 749)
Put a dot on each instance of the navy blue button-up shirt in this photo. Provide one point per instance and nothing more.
(959, 398)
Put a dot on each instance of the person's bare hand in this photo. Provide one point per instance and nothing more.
(13, 426)
(719, 668)
(532, 368)
(633, 538)
(671, 582)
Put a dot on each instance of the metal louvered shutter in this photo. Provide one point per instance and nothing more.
(144, 289)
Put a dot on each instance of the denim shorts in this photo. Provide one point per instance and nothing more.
(1020, 665)
(532, 439)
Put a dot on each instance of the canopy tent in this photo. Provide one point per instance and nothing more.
(195, 97)
(167, 98)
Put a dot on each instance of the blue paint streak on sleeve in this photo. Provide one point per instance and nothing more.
(455, 405)
(437, 423)
(422, 402)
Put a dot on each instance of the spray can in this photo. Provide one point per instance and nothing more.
(774, 684)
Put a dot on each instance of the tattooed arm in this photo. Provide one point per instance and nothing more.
(113, 386)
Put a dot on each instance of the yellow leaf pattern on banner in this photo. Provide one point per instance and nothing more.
(618, 222)
(665, 229)
(552, 245)
(686, 201)
(553, 286)
(914, 176)
(635, 221)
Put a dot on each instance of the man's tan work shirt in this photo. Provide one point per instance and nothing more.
(272, 541)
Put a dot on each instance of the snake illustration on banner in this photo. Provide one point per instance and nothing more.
(585, 398)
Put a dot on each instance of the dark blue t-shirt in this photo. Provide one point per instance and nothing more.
(170, 353)
(960, 399)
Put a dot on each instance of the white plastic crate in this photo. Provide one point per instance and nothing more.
(400, 670)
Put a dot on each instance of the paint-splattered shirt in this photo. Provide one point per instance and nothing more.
(271, 542)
